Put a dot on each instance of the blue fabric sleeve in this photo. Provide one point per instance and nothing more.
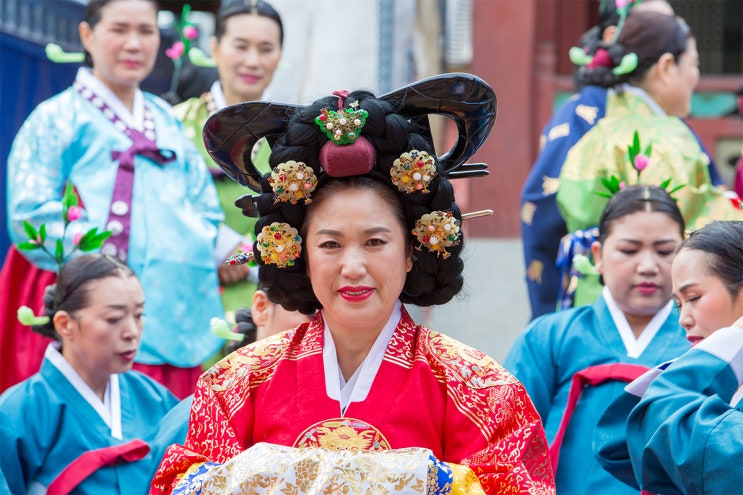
(684, 436)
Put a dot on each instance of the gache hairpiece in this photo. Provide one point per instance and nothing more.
(469, 101)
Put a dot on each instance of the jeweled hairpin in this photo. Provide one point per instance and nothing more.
(279, 244)
(437, 231)
(292, 181)
(240, 258)
(413, 171)
(347, 153)
(343, 126)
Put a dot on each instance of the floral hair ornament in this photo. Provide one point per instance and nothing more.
(292, 181)
(279, 244)
(437, 231)
(71, 211)
(602, 59)
(182, 46)
(347, 152)
(639, 158)
(413, 171)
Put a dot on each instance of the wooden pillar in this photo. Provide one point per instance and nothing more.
(504, 50)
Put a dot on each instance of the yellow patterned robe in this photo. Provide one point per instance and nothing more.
(602, 152)
(430, 392)
(675, 155)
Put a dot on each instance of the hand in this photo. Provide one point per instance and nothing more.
(230, 274)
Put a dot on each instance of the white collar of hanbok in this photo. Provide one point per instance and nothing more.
(133, 119)
(110, 409)
(220, 101)
(635, 346)
(358, 386)
(644, 96)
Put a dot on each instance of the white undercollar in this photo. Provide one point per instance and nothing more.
(358, 386)
(644, 96)
(110, 409)
(635, 346)
(133, 119)
(218, 95)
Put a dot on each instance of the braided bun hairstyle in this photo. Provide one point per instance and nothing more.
(649, 35)
(70, 293)
(433, 279)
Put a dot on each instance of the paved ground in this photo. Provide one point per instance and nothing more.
(493, 307)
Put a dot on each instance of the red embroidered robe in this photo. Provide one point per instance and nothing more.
(430, 391)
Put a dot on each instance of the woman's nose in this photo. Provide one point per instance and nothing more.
(648, 263)
(353, 263)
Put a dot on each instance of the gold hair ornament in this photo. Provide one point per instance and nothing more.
(413, 171)
(437, 231)
(292, 181)
(279, 244)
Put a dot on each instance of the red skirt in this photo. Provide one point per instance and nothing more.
(22, 350)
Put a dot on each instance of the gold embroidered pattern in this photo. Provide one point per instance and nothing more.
(274, 469)
(527, 212)
(550, 185)
(343, 434)
(587, 113)
(534, 272)
(560, 130)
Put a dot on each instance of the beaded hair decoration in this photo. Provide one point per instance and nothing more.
(466, 99)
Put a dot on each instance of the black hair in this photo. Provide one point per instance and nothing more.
(69, 293)
(649, 35)
(93, 15)
(433, 279)
(259, 7)
(636, 198)
(722, 241)
(245, 326)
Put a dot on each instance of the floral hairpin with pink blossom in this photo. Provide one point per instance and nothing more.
(640, 159)
(71, 211)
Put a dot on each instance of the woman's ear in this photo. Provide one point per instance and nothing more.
(85, 33)
(597, 261)
(260, 309)
(63, 324)
(409, 258)
(214, 45)
(666, 68)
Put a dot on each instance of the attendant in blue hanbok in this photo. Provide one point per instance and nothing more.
(86, 423)
(137, 175)
(685, 435)
(542, 225)
(631, 327)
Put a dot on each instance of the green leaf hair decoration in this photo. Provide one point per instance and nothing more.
(579, 56)
(27, 317)
(221, 329)
(583, 265)
(627, 64)
(199, 58)
(56, 54)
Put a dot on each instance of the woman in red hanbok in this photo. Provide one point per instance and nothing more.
(358, 218)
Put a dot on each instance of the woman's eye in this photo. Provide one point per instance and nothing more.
(628, 252)
(113, 321)
(376, 242)
(329, 244)
(666, 253)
